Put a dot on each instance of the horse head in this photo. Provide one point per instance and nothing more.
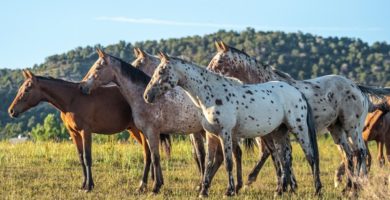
(164, 78)
(145, 62)
(101, 73)
(29, 95)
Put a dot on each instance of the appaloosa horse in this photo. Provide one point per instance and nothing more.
(82, 115)
(174, 113)
(339, 105)
(148, 63)
(232, 110)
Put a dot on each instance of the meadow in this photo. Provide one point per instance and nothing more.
(48, 170)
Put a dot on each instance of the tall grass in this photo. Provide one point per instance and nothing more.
(51, 171)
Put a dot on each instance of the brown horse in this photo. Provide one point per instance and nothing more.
(82, 115)
(377, 129)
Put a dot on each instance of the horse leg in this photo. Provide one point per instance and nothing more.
(227, 146)
(381, 158)
(237, 153)
(369, 158)
(282, 147)
(77, 140)
(341, 141)
(387, 145)
(147, 163)
(153, 142)
(87, 142)
(354, 130)
(301, 132)
(198, 153)
(264, 154)
(339, 174)
(214, 159)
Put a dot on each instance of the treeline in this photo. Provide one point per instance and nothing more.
(302, 55)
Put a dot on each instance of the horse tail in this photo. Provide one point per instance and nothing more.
(312, 131)
(165, 141)
(249, 144)
(377, 93)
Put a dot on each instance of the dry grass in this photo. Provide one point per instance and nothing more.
(51, 171)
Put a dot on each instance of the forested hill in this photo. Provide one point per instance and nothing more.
(302, 55)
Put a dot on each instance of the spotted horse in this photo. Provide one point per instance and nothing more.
(235, 110)
(338, 104)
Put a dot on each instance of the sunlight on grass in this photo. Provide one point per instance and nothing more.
(51, 171)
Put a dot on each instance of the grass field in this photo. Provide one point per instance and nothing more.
(52, 171)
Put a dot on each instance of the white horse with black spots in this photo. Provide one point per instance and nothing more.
(233, 110)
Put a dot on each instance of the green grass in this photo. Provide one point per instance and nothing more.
(52, 171)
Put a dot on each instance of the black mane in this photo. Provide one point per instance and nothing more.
(58, 80)
(133, 73)
(233, 49)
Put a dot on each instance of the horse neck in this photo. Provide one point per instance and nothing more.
(247, 69)
(131, 90)
(58, 93)
(196, 81)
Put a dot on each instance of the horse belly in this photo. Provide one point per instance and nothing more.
(259, 123)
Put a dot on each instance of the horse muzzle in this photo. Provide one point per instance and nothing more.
(149, 98)
(12, 113)
(84, 89)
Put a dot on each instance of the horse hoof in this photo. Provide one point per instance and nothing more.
(198, 188)
(142, 189)
(237, 189)
(203, 194)
(152, 194)
(229, 193)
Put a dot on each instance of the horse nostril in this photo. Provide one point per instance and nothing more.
(11, 112)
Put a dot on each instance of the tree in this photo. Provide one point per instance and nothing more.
(51, 129)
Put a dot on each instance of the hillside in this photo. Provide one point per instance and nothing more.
(302, 55)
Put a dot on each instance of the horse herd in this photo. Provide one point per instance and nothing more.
(234, 97)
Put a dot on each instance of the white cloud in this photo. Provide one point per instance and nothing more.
(234, 26)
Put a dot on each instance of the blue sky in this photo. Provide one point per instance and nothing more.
(32, 30)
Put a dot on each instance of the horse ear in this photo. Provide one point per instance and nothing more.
(163, 56)
(136, 53)
(218, 47)
(224, 47)
(25, 74)
(141, 53)
(160, 55)
(30, 74)
(100, 53)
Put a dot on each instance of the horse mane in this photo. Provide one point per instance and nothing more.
(282, 74)
(58, 80)
(235, 50)
(133, 73)
(203, 67)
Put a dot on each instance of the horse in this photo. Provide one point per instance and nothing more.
(376, 128)
(339, 104)
(232, 109)
(82, 115)
(148, 63)
(174, 113)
